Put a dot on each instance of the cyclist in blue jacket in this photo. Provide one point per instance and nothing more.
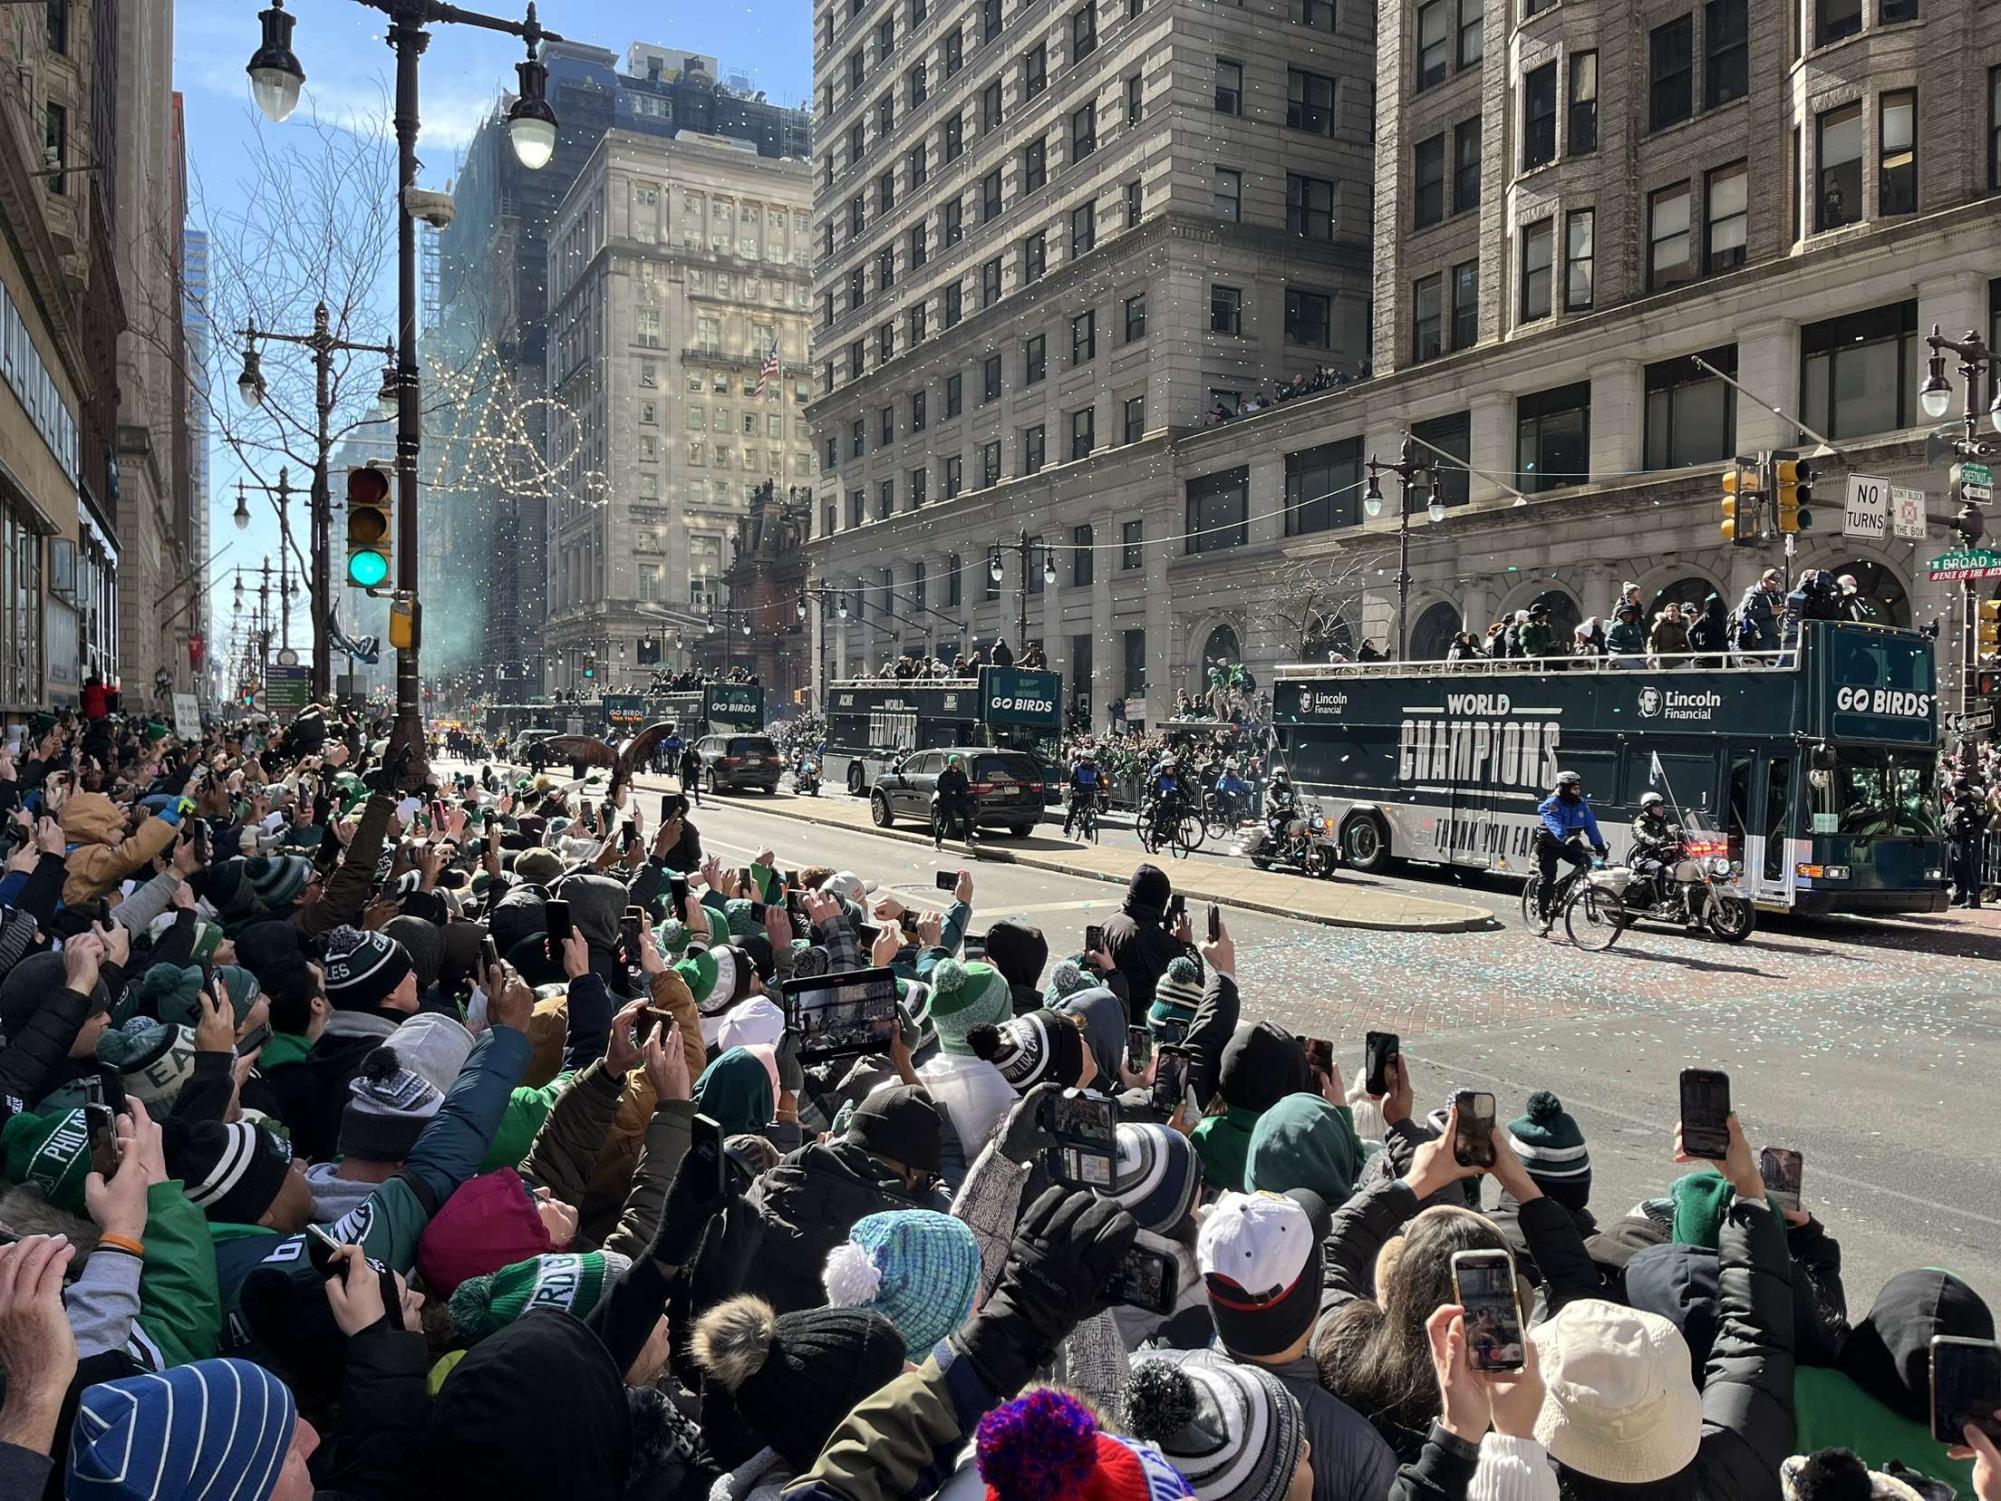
(1085, 783)
(1565, 815)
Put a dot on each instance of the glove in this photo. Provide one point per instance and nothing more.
(177, 810)
(1067, 1246)
(791, 1077)
(1025, 1138)
(692, 1201)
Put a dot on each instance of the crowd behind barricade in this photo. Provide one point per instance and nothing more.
(368, 1136)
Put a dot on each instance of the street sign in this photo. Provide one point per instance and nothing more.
(1907, 513)
(1972, 721)
(287, 687)
(1964, 563)
(187, 716)
(1976, 482)
(1867, 512)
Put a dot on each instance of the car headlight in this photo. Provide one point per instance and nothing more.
(1934, 874)
(1719, 865)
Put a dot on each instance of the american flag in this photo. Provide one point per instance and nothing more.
(770, 370)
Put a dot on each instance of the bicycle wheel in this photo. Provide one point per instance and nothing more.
(1177, 838)
(1193, 831)
(1594, 919)
(1532, 919)
(1143, 829)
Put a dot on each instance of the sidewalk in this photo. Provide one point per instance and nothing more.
(1335, 903)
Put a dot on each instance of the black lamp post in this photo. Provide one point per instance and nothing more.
(1408, 469)
(996, 572)
(275, 78)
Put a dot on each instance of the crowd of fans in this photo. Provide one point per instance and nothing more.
(372, 1136)
(1322, 378)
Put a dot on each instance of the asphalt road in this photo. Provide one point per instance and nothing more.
(1870, 1048)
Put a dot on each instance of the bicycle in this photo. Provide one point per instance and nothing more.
(1084, 818)
(1219, 814)
(1182, 833)
(1566, 883)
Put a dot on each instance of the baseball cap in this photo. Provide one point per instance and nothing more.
(846, 883)
(1259, 1255)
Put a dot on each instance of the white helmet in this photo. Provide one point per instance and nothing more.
(1652, 800)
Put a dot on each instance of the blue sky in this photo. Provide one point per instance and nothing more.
(349, 81)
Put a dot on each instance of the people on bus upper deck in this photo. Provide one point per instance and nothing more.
(1588, 640)
(1668, 640)
(1626, 640)
(1464, 648)
(1369, 652)
(1535, 636)
(1854, 605)
(1033, 657)
(1002, 654)
(1758, 613)
(1710, 631)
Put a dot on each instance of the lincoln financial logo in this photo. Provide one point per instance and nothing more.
(1479, 739)
(1672, 703)
(1322, 701)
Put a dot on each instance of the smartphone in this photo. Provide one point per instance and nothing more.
(1474, 1146)
(1170, 1034)
(1966, 1387)
(1085, 1126)
(758, 909)
(630, 926)
(629, 835)
(651, 1017)
(975, 947)
(841, 1015)
(556, 915)
(948, 880)
(322, 1250)
(1378, 1048)
(705, 1146)
(677, 888)
(746, 879)
(1145, 1279)
(1319, 1055)
(907, 920)
(1094, 939)
(252, 1040)
(1705, 1113)
(1780, 1168)
(437, 814)
(1139, 1047)
(1484, 1284)
(489, 958)
(666, 806)
(1170, 1078)
(102, 1127)
(1177, 905)
(1215, 922)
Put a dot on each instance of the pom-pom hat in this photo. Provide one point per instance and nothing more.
(1047, 1446)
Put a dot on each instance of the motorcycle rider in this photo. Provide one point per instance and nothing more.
(1655, 843)
(1565, 814)
(1085, 782)
(952, 801)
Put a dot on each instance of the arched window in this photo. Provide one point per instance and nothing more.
(1563, 616)
(1221, 649)
(1880, 589)
(1689, 593)
(1328, 637)
(1431, 637)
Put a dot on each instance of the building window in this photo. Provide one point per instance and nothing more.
(58, 28)
(1084, 31)
(1994, 129)
(885, 344)
(1472, 31)
(1034, 71)
(955, 476)
(857, 68)
(1083, 229)
(1134, 647)
(1839, 202)
(955, 395)
(1583, 115)
(990, 197)
(990, 378)
(919, 91)
(1539, 117)
(885, 268)
(1136, 317)
(1309, 318)
(990, 19)
(1228, 194)
(1084, 337)
(1889, 12)
(990, 464)
(885, 116)
(1691, 416)
(857, 438)
(1034, 449)
(952, 585)
(1578, 277)
(990, 107)
(888, 426)
(55, 146)
(1553, 438)
(955, 51)
(1428, 177)
(1836, 19)
(1034, 256)
(1083, 432)
(1229, 86)
(1309, 102)
(885, 193)
(1319, 14)
(857, 142)
(1670, 261)
(1132, 542)
(1434, 42)
(918, 581)
(918, 416)
(885, 500)
(1466, 165)
(920, 248)
(1670, 73)
(1081, 569)
(1034, 360)
(1218, 515)
(1453, 434)
(1226, 310)
(1034, 166)
(1135, 99)
(1465, 304)
(1427, 318)
(1083, 132)
(990, 282)
(1323, 488)
(955, 304)
(1135, 195)
(916, 166)
(1725, 204)
(1309, 207)
(1537, 248)
(953, 221)
(955, 137)
(1856, 372)
(1726, 46)
(1897, 140)
(1135, 419)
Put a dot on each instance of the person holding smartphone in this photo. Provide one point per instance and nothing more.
(1140, 940)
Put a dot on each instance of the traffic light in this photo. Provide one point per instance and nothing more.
(1989, 636)
(590, 665)
(367, 527)
(1740, 504)
(1792, 480)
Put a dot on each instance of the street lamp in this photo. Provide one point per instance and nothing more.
(1935, 395)
(242, 516)
(531, 124)
(275, 74)
(250, 384)
(1408, 469)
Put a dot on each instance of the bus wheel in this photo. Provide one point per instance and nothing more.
(1731, 918)
(1365, 843)
(878, 810)
(854, 779)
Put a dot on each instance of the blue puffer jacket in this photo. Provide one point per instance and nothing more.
(1563, 819)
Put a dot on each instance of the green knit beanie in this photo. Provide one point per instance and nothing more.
(965, 996)
(572, 1284)
(1701, 1203)
(736, 912)
(1178, 993)
(51, 1151)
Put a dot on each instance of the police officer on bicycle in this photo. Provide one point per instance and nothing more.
(1565, 815)
(1085, 782)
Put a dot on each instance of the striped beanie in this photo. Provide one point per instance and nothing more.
(362, 968)
(52, 1152)
(278, 880)
(1039, 1046)
(917, 1268)
(1157, 1176)
(1068, 978)
(153, 1059)
(1232, 1429)
(213, 1428)
(1045, 1445)
(964, 996)
(388, 1107)
(233, 1172)
(1552, 1150)
(570, 1283)
(1178, 993)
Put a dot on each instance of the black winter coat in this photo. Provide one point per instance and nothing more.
(1141, 949)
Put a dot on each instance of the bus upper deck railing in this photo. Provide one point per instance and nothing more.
(893, 682)
(1476, 667)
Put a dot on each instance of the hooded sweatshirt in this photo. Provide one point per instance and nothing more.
(1305, 1141)
(100, 855)
(1019, 952)
(1877, 1400)
(1262, 1064)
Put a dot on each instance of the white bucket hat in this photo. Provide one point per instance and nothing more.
(1619, 1403)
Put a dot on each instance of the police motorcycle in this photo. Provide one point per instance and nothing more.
(1697, 887)
(1297, 838)
(806, 777)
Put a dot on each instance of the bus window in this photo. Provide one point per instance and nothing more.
(1690, 780)
(1737, 801)
(1778, 792)
(1876, 793)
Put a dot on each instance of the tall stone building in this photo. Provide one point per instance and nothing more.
(679, 270)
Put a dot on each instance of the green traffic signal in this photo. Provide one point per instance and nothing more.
(367, 569)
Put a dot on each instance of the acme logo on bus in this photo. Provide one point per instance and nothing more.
(1481, 740)
(1892, 701)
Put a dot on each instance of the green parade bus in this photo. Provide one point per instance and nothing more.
(873, 722)
(1820, 763)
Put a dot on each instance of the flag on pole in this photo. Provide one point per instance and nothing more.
(769, 372)
(1656, 773)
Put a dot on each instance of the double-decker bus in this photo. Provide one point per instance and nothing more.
(871, 722)
(1819, 763)
(713, 709)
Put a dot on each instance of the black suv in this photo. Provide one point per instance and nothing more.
(1007, 788)
(731, 763)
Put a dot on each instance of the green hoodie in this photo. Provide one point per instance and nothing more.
(1223, 1142)
(1305, 1141)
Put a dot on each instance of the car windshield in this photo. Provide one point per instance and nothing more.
(1876, 793)
(752, 745)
